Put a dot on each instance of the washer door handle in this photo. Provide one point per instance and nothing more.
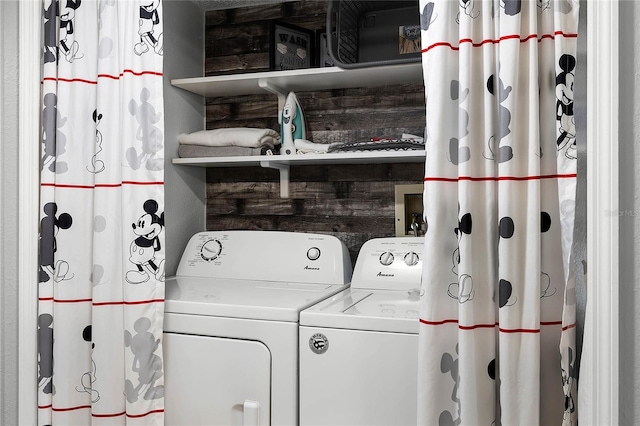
(251, 413)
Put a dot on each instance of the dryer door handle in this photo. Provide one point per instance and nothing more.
(251, 414)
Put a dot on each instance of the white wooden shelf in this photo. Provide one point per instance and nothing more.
(360, 157)
(303, 80)
(281, 83)
(284, 162)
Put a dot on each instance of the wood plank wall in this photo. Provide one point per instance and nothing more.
(353, 202)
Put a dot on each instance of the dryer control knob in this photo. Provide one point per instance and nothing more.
(313, 253)
(411, 258)
(211, 250)
(386, 258)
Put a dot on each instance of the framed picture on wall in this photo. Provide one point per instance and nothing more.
(322, 50)
(291, 47)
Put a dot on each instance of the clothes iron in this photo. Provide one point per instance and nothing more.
(292, 124)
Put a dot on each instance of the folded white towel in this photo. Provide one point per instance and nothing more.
(242, 136)
(304, 146)
(410, 136)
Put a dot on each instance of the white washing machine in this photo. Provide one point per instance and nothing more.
(359, 348)
(231, 323)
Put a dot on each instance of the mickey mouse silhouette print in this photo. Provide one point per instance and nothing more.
(564, 107)
(68, 45)
(50, 15)
(54, 140)
(569, 377)
(496, 87)
(467, 6)
(50, 225)
(142, 252)
(148, 134)
(462, 289)
(45, 353)
(146, 363)
(426, 17)
(97, 165)
(458, 154)
(149, 18)
(59, 29)
(449, 365)
(88, 379)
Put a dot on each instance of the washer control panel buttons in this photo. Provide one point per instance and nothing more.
(313, 253)
(411, 258)
(211, 250)
(386, 258)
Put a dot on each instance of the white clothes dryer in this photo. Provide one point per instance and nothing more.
(359, 348)
(231, 323)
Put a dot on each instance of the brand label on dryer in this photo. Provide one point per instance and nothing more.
(319, 343)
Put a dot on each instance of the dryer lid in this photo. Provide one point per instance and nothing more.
(362, 309)
(261, 300)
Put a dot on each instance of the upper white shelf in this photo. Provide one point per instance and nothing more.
(303, 80)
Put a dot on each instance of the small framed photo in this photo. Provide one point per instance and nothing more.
(291, 47)
(409, 210)
(409, 39)
(322, 50)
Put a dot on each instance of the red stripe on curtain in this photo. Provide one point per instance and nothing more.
(497, 178)
(503, 38)
(503, 330)
(99, 185)
(112, 77)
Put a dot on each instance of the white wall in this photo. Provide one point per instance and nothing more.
(8, 213)
(629, 175)
(580, 110)
(184, 113)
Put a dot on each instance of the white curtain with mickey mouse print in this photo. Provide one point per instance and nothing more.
(101, 281)
(497, 318)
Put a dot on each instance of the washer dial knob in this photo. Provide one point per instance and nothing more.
(411, 258)
(313, 253)
(386, 258)
(210, 250)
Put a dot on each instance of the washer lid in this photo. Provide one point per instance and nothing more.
(262, 300)
(361, 309)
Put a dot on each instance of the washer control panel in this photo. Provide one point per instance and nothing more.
(267, 256)
(211, 249)
(393, 263)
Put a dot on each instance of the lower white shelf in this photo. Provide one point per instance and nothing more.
(284, 162)
(360, 157)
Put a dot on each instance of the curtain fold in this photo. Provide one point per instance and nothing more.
(497, 320)
(101, 289)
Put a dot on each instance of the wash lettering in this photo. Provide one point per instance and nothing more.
(293, 39)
